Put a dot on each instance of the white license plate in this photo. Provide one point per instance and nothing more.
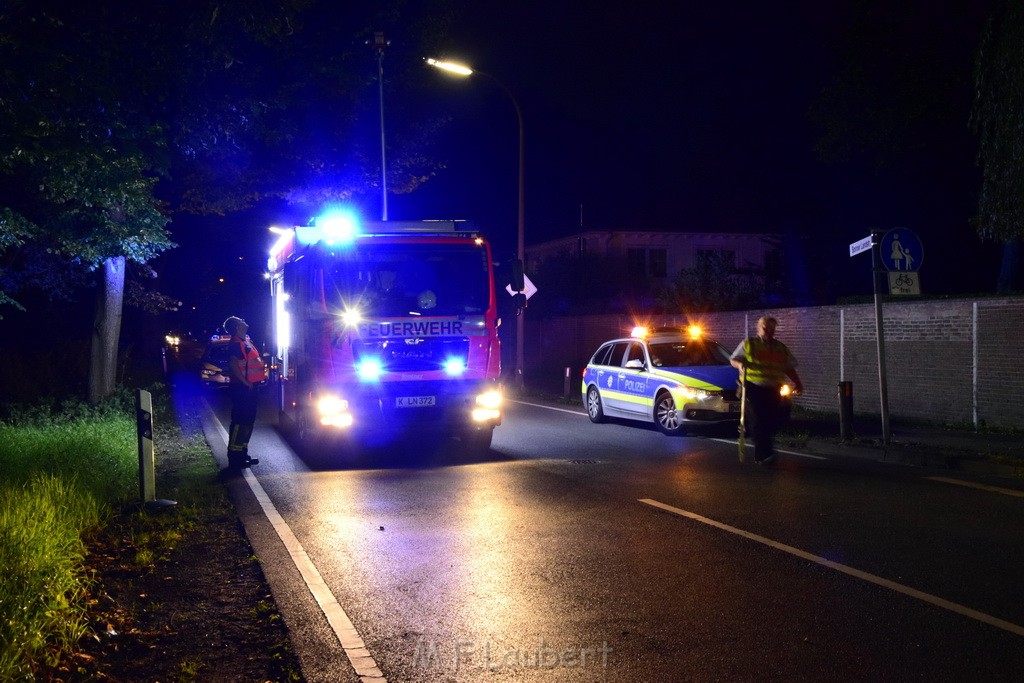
(415, 401)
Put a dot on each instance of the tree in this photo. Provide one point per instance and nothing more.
(713, 284)
(115, 114)
(998, 118)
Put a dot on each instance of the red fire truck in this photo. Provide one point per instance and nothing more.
(386, 329)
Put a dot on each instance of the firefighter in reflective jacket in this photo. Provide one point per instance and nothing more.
(247, 370)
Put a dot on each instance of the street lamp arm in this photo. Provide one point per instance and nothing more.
(465, 71)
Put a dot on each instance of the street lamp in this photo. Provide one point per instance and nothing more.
(465, 71)
(379, 42)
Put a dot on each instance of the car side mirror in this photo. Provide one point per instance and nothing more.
(635, 364)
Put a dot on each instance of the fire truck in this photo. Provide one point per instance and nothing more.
(385, 330)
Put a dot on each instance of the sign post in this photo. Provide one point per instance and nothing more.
(871, 242)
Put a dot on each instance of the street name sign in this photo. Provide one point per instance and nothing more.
(860, 245)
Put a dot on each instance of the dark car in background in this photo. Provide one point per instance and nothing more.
(214, 371)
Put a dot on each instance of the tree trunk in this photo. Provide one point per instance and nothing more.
(106, 331)
(1008, 270)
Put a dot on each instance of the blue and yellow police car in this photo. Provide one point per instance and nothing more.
(668, 376)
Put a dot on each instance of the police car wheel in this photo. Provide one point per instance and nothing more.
(669, 420)
(594, 408)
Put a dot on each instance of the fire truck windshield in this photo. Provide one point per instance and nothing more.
(381, 279)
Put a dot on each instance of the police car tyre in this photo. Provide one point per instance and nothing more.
(594, 409)
(668, 418)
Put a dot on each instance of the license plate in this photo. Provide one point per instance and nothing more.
(415, 401)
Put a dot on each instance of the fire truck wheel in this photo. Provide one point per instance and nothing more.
(477, 441)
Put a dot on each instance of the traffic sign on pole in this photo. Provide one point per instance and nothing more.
(901, 250)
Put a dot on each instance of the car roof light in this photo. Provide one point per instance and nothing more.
(640, 332)
(694, 331)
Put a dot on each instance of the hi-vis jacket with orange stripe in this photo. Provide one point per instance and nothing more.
(251, 365)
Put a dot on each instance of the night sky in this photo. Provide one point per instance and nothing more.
(686, 116)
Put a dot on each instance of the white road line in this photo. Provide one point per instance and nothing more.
(364, 664)
(538, 405)
(980, 487)
(865, 576)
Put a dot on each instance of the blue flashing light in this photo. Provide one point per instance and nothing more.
(454, 366)
(369, 369)
(333, 227)
(338, 226)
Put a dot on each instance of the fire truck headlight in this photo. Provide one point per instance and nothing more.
(488, 406)
(334, 412)
(331, 405)
(369, 369)
(454, 367)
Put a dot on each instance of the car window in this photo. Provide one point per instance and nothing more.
(618, 351)
(636, 352)
(601, 357)
(692, 352)
(217, 355)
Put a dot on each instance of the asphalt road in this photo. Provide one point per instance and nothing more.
(581, 552)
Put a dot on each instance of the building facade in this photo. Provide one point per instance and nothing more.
(661, 255)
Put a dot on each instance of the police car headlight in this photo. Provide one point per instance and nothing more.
(694, 394)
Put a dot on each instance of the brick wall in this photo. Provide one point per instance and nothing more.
(949, 361)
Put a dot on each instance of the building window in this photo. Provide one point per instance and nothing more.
(657, 260)
(722, 256)
(637, 261)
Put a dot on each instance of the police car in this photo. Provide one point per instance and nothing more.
(667, 376)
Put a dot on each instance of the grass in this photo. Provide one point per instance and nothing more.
(62, 471)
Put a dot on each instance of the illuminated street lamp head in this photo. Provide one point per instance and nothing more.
(450, 67)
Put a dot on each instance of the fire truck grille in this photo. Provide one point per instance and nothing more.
(414, 354)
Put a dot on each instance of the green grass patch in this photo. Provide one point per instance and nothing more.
(60, 476)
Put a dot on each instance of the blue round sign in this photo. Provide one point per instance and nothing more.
(901, 250)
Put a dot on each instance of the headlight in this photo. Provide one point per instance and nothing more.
(488, 406)
(694, 394)
(331, 405)
(785, 390)
(334, 412)
(489, 399)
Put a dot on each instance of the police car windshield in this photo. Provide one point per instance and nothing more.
(689, 352)
(411, 279)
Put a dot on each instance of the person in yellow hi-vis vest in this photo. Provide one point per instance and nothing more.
(247, 370)
(766, 363)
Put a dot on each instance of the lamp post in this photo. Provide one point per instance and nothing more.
(465, 71)
(379, 43)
